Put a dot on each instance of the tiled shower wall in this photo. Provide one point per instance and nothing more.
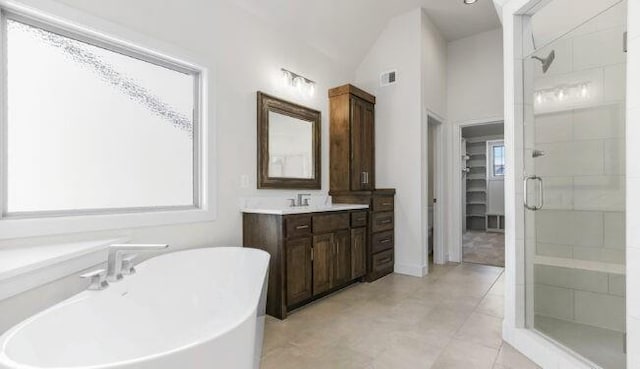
(584, 145)
(583, 168)
(582, 296)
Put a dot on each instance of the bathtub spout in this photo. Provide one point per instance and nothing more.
(114, 262)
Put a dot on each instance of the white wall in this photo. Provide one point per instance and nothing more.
(475, 73)
(475, 87)
(434, 67)
(411, 44)
(244, 55)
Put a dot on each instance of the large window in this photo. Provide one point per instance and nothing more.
(93, 127)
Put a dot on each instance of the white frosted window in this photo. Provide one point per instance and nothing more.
(90, 128)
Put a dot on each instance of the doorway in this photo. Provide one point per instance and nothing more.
(482, 193)
(434, 229)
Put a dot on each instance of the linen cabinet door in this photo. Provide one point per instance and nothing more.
(367, 153)
(299, 272)
(358, 252)
(323, 263)
(342, 269)
(362, 136)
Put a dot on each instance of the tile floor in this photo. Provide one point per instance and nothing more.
(483, 248)
(450, 319)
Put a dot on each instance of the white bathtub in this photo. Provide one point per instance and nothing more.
(192, 309)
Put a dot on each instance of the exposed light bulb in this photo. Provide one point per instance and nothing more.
(560, 94)
(298, 84)
(311, 89)
(286, 78)
(584, 90)
(539, 97)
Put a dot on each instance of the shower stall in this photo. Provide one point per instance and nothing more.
(573, 182)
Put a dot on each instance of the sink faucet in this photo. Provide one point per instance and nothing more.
(303, 199)
(115, 260)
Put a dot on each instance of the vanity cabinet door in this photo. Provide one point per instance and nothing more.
(342, 269)
(299, 273)
(358, 252)
(323, 263)
(362, 150)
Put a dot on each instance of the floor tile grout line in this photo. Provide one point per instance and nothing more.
(452, 337)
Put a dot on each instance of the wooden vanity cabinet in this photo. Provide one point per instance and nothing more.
(358, 252)
(379, 240)
(312, 255)
(352, 150)
(299, 272)
(352, 175)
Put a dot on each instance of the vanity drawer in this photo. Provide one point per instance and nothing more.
(383, 203)
(359, 219)
(330, 222)
(381, 241)
(383, 261)
(298, 225)
(382, 222)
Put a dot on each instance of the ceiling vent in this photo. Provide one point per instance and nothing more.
(388, 78)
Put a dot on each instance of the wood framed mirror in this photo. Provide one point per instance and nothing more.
(288, 144)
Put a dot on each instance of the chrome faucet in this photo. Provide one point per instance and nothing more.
(98, 279)
(115, 261)
(303, 199)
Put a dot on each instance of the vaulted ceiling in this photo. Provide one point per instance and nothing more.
(346, 29)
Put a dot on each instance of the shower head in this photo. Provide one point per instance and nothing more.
(546, 62)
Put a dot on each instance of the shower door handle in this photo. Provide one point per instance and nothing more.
(540, 202)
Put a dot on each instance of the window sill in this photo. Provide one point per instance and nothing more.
(34, 227)
(24, 268)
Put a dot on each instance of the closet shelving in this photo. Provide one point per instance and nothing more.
(476, 184)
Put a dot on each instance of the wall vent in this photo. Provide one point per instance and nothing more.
(388, 78)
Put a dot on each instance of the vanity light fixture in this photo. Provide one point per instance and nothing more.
(470, 2)
(304, 86)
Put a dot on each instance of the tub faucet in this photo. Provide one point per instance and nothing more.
(115, 261)
(98, 279)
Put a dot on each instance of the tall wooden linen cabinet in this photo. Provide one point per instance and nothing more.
(352, 172)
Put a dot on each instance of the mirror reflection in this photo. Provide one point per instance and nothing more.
(290, 147)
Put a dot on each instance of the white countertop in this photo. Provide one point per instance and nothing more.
(303, 209)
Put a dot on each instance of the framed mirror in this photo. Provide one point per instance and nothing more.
(288, 144)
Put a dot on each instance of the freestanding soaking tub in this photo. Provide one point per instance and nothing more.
(193, 309)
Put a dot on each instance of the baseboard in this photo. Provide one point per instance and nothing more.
(413, 270)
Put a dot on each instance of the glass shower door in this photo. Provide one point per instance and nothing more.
(574, 181)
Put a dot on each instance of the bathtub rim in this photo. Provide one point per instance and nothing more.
(6, 337)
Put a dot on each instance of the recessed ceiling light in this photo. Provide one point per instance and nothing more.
(469, 2)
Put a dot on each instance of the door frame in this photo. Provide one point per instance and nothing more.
(440, 173)
(455, 250)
